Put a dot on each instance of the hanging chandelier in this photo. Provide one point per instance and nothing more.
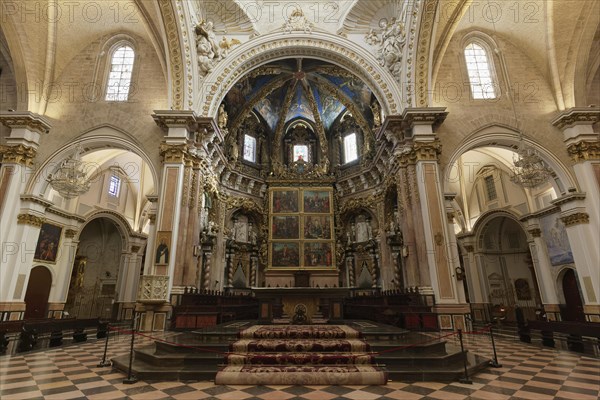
(529, 170)
(70, 180)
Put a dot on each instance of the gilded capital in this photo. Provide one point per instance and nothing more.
(584, 151)
(18, 154)
(29, 219)
(575, 219)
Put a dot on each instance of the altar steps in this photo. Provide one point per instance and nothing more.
(300, 355)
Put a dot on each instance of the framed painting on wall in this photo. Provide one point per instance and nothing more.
(285, 255)
(317, 255)
(48, 242)
(317, 201)
(163, 248)
(285, 227)
(284, 201)
(317, 227)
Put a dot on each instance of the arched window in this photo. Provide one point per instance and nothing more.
(480, 72)
(350, 148)
(119, 78)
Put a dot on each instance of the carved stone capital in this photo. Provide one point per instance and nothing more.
(419, 151)
(575, 219)
(576, 116)
(29, 219)
(135, 249)
(70, 233)
(584, 151)
(25, 120)
(18, 154)
(469, 248)
(152, 218)
(535, 232)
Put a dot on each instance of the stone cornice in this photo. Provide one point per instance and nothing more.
(433, 116)
(576, 116)
(584, 151)
(25, 120)
(37, 200)
(568, 198)
(575, 219)
(18, 154)
(540, 214)
(64, 214)
(30, 219)
(175, 119)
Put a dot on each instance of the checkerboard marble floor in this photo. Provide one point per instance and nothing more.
(528, 372)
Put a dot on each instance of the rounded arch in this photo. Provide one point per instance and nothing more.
(320, 45)
(505, 136)
(19, 66)
(489, 216)
(120, 222)
(90, 142)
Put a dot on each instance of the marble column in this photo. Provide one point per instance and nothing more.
(20, 224)
(581, 215)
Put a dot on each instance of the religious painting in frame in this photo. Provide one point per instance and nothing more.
(163, 248)
(285, 254)
(285, 227)
(48, 242)
(318, 254)
(284, 201)
(317, 227)
(317, 201)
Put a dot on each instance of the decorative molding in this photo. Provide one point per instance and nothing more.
(428, 13)
(584, 151)
(135, 249)
(25, 120)
(174, 48)
(575, 219)
(433, 116)
(18, 154)
(576, 116)
(29, 219)
(37, 200)
(64, 214)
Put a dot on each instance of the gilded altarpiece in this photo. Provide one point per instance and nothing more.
(301, 230)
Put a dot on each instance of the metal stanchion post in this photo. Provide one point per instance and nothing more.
(105, 363)
(494, 363)
(130, 378)
(462, 349)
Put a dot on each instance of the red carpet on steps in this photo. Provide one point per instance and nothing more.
(300, 355)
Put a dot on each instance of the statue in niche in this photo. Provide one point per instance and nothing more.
(222, 117)
(369, 229)
(376, 110)
(252, 236)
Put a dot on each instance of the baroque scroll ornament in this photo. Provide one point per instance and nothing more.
(390, 40)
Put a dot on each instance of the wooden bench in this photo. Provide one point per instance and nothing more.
(574, 331)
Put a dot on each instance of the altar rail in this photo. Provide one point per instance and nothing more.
(32, 334)
(197, 309)
(405, 308)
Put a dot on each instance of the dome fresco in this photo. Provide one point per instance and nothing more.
(293, 88)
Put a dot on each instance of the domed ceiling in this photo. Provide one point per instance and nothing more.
(291, 89)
